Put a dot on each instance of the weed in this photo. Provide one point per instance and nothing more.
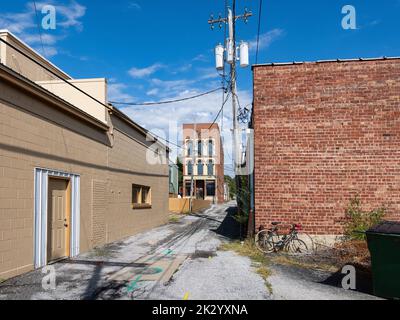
(359, 221)
(174, 219)
(101, 252)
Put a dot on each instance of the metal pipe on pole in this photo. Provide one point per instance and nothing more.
(194, 149)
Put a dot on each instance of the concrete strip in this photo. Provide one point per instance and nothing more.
(157, 269)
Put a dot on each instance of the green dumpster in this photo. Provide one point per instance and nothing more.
(384, 246)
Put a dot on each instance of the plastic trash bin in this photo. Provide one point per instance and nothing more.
(384, 246)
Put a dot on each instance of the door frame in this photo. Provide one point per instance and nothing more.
(40, 213)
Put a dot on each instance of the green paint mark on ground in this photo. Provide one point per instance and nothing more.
(133, 285)
(157, 270)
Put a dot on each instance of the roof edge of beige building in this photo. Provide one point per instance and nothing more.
(74, 173)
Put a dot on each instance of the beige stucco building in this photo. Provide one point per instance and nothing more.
(74, 170)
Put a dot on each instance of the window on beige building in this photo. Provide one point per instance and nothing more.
(189, 146)
(190, 168)
(199, 148)
(210, 148)
(200, 168)
(210, 168)
(141, 197)
(210, 186)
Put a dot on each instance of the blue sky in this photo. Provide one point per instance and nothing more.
(152, 50)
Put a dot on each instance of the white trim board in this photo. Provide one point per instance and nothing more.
(40, 213)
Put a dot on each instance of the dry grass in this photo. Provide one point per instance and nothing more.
(174, 218)
(330, 259)
(248, 249)
(354, 252)
(292, 261)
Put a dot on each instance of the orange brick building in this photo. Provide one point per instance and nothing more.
(204, 157)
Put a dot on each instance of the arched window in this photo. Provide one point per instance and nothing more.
(189, 145)
(200, 168)
(210, 148)
(199, 148)
(210, 168)
(190, 168)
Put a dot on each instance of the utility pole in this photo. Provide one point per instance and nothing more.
(194, 149)
(231, 58)
(228, 54)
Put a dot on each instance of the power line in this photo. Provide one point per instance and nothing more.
(259, 27)
(38, 26)
(165, 140)
(75, 87)
(55, 74)
(167, 101)
(220, 110)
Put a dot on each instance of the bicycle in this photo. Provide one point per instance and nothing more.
(268, 241)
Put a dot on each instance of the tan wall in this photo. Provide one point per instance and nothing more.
(19, 63)
(33, 134)
(183, 205)
(97, 88)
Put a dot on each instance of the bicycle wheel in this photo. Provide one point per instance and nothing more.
(296, 246)
(264, 242)
(308, 240)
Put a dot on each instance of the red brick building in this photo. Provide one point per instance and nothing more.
(204, 161)
(325, 132)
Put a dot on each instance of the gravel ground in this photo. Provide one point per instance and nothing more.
(223, 277)
(206, 272)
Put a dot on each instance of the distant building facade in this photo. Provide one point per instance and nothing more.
(203, 160)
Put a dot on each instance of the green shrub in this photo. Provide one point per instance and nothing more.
(359, 221)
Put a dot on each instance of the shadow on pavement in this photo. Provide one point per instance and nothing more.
(229, 227)
(363, 280)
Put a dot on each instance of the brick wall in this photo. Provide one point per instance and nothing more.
(325, 132)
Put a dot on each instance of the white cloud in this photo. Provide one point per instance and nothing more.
(201, 58)
(183, 68)
(153, 92)
(24, 24)
(266, 39)
(134, 5)
(166, 120)
(208, 73)
(49, 51)
(71, 14)
(17, 22)
(117, 92)
(47, 39)
(145, 72)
